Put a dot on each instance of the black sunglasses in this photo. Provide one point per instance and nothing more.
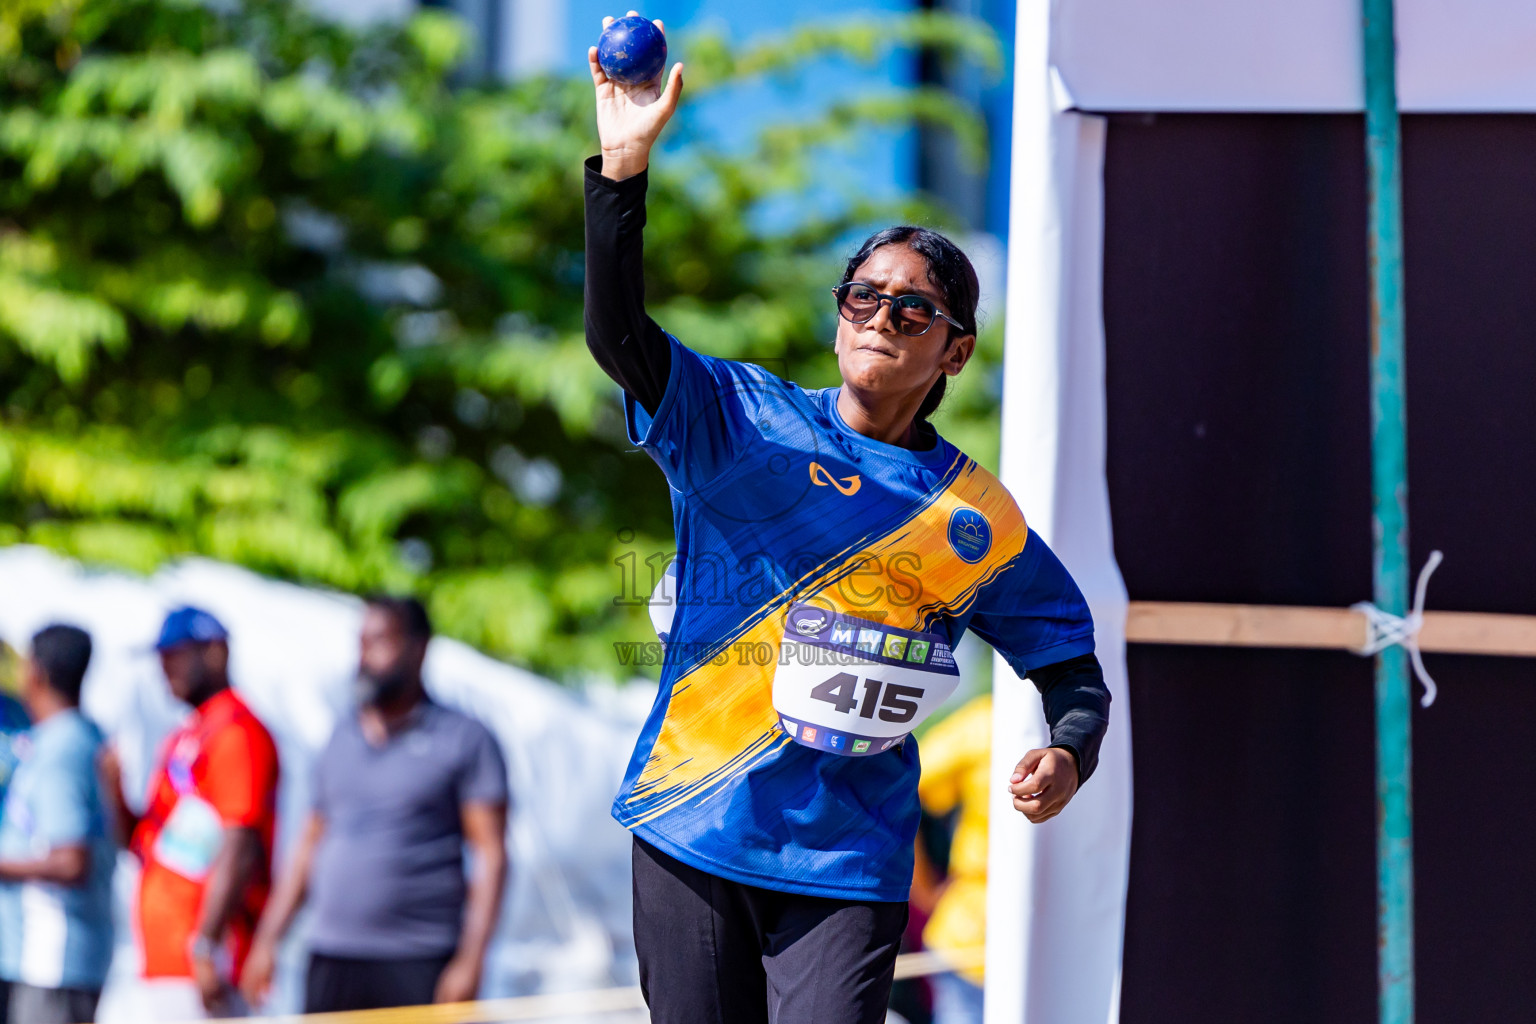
(913, 314)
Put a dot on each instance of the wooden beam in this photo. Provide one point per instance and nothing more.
(553, 1005)
(1258, 625)
(1478, 633)
(1243, 625)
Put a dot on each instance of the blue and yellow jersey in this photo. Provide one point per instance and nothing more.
(780, 507)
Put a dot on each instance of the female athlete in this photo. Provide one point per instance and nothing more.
(832, 548)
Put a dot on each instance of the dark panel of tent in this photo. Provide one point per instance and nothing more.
(1239, 470)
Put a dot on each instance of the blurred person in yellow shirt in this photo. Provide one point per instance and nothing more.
(957, 766)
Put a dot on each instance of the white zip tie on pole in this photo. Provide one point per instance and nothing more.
(1383, 629)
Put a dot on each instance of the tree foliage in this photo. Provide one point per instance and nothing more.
(294, 296)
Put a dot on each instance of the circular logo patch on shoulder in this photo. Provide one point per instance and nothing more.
(969, 534)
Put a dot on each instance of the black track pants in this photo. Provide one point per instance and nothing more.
(337, 983)
(719, 952)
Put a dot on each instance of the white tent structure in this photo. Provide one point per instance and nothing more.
(566, 922)
(1057, 892)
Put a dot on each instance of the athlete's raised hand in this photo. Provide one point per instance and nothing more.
(630, 117)
(1043, 782)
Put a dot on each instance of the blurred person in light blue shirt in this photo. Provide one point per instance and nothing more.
(14, 724)
(56, 851)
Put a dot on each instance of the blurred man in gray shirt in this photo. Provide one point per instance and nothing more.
(401, 789)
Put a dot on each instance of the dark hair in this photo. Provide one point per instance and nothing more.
(63, 652)
(409, 614)
(948, 267)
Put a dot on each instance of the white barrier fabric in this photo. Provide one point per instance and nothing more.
(565, 923)
(1288, 55)
(1056, 892)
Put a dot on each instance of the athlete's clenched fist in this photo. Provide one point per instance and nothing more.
(1043, 782)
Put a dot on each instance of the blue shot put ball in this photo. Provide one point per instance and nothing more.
(632, 50)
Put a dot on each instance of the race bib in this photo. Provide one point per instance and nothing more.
(851, 686)
(190, 838)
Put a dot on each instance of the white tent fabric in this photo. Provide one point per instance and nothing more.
(566, 921)
(1286, 55)
(1056, 892)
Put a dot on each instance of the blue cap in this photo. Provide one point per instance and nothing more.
(189, 625)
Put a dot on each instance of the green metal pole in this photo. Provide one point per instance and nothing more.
(1389, 487)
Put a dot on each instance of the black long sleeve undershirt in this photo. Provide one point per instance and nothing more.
(626, 343)
(1076, 708)
(633, 350)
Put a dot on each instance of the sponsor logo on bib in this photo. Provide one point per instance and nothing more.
(970, 535)
(808, 620)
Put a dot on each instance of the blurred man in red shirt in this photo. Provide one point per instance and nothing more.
(206, 835)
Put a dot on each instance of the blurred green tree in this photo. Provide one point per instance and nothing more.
(295, 296)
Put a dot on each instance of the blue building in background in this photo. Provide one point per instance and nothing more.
(523, 37)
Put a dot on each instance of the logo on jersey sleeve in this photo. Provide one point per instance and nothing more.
(970, 535)
(848, 485)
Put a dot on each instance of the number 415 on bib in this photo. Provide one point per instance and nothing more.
(893, 702)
